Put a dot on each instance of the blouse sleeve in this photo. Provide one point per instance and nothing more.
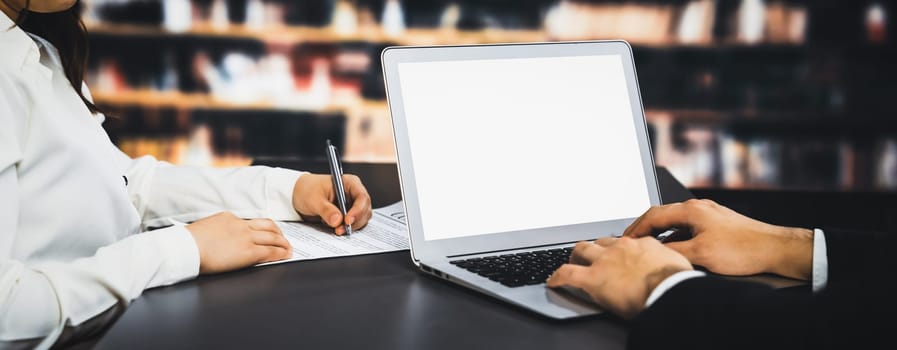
(39, 300)
(164, 193)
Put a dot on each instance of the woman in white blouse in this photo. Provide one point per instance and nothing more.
(74, 208)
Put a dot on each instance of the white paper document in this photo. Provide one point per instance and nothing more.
(385, 232)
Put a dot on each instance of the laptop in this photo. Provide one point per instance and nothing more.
(509, 154)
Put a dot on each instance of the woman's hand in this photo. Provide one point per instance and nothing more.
(727, 242)
(313, 198)
(619, 274)
(227, 242)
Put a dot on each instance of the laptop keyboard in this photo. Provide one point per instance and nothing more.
(519, 269)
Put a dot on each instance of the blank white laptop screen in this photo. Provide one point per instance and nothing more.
(514, 144)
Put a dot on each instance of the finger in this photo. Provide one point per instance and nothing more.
(328, 212)
(569, 275)
(659, 219)
(606, 241)
(353, 187)
(584, 253)
(634, 223)
(271, 239)
(268, 253)
(360, 212)
(362, 220)
(264, 225)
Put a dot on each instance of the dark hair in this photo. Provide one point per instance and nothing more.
(67, 33)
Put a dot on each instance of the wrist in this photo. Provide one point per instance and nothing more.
(795, 257)
(635, 303)
(654, 279)
(300, 191)
(670, 282)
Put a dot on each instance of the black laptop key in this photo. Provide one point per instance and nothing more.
(520, 269)
(513, 282)
(534, 280)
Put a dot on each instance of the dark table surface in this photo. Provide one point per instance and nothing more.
(371, 302)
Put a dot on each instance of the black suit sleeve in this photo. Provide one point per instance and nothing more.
(855, 310)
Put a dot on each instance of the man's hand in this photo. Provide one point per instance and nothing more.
(313, 197)
(727, 242)
(619, 274)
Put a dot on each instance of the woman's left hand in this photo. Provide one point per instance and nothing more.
(313, 198)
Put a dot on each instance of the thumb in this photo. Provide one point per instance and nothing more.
(569, 275)
(328, 212)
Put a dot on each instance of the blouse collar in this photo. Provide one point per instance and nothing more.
(16, 45)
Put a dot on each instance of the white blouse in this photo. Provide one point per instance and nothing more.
(71, 240)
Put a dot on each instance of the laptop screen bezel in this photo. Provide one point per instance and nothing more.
(391, 57)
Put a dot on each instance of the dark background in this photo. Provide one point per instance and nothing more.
(803, 117)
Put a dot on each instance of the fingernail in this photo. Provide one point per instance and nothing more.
(334, 219)
(350, 220)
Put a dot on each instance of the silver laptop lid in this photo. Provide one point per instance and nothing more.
(518, 145)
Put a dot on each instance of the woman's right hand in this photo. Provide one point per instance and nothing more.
(227, 242)
(726, 242)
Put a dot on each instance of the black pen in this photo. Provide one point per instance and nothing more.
(336, 174)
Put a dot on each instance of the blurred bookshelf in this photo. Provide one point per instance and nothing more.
(739, 94)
